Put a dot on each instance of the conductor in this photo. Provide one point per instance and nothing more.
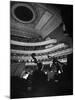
(39, 77)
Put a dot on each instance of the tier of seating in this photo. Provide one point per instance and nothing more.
(42, 57)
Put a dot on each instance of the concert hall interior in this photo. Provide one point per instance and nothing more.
(41, 49)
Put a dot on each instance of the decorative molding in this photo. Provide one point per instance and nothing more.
(51, 41)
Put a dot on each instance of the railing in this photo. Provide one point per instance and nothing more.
(44, 57)
(56, 47)
(33, 44)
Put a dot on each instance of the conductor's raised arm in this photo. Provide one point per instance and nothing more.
(33, 56)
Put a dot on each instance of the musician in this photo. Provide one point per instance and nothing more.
(55, 69)
(56, 66)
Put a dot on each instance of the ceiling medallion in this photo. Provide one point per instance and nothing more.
(23, 13)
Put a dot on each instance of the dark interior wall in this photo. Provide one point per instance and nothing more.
(67, 16)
